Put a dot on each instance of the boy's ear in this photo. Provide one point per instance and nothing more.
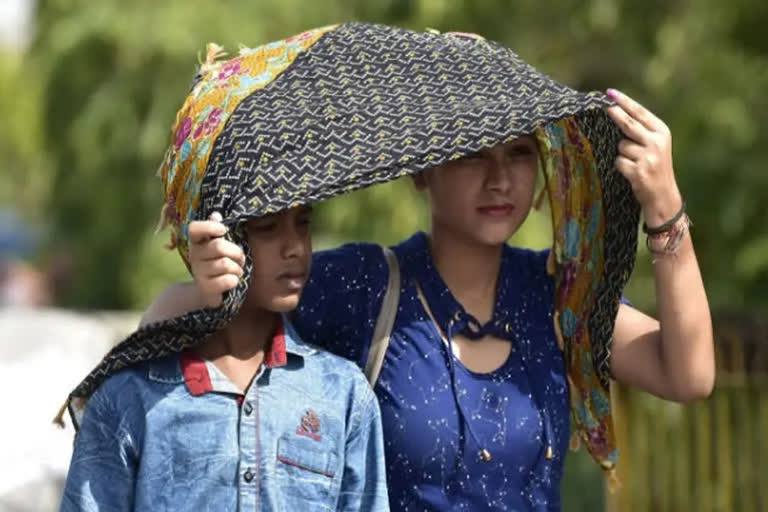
(420, 180)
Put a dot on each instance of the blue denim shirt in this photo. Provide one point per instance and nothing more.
(305, 436)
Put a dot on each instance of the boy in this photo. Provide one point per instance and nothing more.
(249, 418)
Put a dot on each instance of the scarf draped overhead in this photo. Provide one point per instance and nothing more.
(343, 107)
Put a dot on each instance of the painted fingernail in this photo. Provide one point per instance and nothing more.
(613, 93)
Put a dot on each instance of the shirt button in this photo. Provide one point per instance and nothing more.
(248, 408)
(248, 476)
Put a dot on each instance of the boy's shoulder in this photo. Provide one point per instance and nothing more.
(125, 380)
(339, 364)
(133, 383)
(327, 364)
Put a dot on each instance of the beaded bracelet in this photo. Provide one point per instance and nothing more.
(675, 235)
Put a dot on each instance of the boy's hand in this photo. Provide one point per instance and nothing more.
(216, 263)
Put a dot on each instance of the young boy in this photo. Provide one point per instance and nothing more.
(250, 418)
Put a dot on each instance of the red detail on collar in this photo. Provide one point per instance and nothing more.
(195, 369)
(276, 355)
(195, 373)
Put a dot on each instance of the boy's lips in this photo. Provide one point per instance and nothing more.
(293, 279)
(501, 210)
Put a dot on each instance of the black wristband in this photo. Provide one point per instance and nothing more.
(666, 226)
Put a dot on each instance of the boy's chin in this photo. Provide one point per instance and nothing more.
(284, 304)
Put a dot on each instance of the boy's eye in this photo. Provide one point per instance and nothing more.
(264, 227)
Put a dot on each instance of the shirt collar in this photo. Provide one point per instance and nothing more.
(202, 376)
(512, 281)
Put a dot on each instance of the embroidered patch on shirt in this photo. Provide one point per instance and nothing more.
(309, 426)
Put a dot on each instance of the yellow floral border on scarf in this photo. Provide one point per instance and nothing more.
(221, 88)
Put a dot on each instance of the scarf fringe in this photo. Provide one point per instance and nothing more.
(59, 419)
(212, 52)
(165, 218)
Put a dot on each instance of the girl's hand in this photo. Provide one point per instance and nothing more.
(645, 159)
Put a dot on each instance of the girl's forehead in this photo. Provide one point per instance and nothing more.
(296, 210)
(523, 139)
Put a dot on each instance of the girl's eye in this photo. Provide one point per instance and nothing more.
(474, 156)
(519, 151)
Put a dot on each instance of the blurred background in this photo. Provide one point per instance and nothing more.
(88, 92)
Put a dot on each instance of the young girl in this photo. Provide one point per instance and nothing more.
(473, 387)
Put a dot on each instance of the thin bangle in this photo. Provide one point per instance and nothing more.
(666, 226)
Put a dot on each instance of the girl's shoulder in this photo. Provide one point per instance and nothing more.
(349, 251)
(532, 263)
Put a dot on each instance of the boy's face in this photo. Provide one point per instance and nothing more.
(281, 249)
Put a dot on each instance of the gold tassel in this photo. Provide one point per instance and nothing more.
(59, 419)
(575, 442)
(551, 262)
(614, 483)
(558, 332)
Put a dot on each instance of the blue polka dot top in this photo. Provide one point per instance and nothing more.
(454, 439)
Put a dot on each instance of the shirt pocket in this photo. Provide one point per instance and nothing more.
(304, 472)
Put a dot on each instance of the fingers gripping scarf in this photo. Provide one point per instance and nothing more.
(344, 107)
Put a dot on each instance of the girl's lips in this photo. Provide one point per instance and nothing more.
(497, 211)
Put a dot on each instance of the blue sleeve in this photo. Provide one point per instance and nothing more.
(342, 299)
(364, 482)
(102, 471)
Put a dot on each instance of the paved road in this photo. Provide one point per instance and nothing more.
(43, 355)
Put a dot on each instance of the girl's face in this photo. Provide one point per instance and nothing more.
(484, 197)
(281, 249)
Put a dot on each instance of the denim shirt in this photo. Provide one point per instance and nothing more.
(172, 434)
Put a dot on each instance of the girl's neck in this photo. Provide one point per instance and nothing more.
(469, 269)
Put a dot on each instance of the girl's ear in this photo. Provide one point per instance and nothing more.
(420, 180)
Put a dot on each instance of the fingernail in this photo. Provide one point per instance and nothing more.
(613, 93)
